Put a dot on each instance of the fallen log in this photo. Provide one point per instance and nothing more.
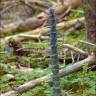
(75, 49)
(63, 72)
(44, 30)
(35, 37)
(35, 22)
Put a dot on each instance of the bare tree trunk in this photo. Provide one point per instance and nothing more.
(90, 16)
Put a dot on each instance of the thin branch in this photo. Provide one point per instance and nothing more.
(75, 49)
(88, 43)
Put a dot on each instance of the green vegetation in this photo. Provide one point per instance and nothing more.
(78, 84)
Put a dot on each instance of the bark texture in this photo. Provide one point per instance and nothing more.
(90, 16)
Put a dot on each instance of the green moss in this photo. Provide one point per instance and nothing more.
(76, 14)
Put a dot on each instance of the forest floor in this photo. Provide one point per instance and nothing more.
(82, 83)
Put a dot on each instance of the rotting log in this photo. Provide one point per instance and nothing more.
(39, 20)
(44, 30)
(63, 72)
(22, 25)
